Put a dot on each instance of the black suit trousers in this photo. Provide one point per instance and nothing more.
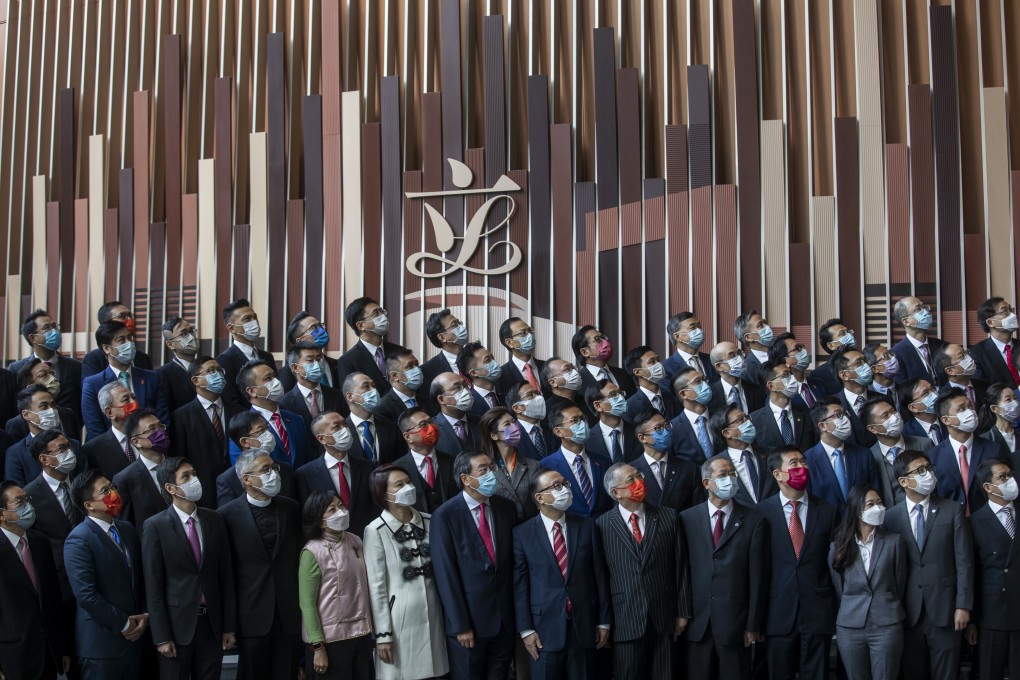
(649, 657)
(804, 652)
(707, 660)
(125, 667)
(573, 662)
(998, 654)
(202, 659)
(348, 659)
(489, 659)
(930, 652)
(269, 657)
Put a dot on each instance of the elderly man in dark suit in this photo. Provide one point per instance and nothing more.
(731, 387)
(458, 429)
(997, 355)
(42, 333)
(561, 585)
(370, 323)
(670, 481)
(472, 552)
(649, 578)
(431, 471)
(940, 577)
(686, 335)
(375, 438)
(243, 326)
(915, 351)
(111, 451)
(408, 383)
(246, 432)
(519, 339)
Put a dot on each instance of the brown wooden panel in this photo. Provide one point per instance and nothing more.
(140, 144)
(53, 253)
(678, 250)
(126, 236)
(975, 269)
(392, 200)
(295, 257)
(745, 97)
(606, 159)
(172, 162)
(331, 178)
(412, 239)
(65, 196)
(432, 165)
(242, 245)
(607, 275)
(676, 159)
(897, 168)
(475, 159)
(156, 311)
(700, 130)
(629, 135)
(702, 257)
(562, 229)
(452, 119)
(727, 271)
(224, 191)
(800, 287)
(276, 194)
(656, 271)
(540, 196)
(1015, 192)
(848, 216)
(313, 205)
(110, 251)
(332, 72)
(371, 190)
(81, 265)
(922, 185)
(584, 211)
(189, 233)
(517, 232)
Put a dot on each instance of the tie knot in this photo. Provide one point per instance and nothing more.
(556, 527)
(701, 420)
(837, 453)
(191, 521)
(783, 414)
(794, 505)
(719, 514)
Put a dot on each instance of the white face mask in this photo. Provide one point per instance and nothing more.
(535, 407)
(251, 330)
(924, 484)
(191, 489)
(339, 520)
(968, 420)
(270, 483)
(967, 365)
(1007, 490)
(1009, 323)
(405, 495)
(656, 372)
(267, 442)
(381, 324)
(1010, 410)
(48, 419)
(843, 428)
(571, 380)
(563, 498)
(874, 515)
(893, 425)
(66, 462)
(275, 388)
(342, 440)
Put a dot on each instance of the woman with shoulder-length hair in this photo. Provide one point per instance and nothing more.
(410, 642)
(336, 618)
(997, 415)
(869, 570)
(501, 433)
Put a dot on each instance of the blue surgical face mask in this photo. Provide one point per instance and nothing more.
(53, 339)
(737, 366)
(662, 439)
(864, 375)
(725, 487)
(460, 334)
(492, 370)
(370, 399)
(803, 359)
(125, 352)
(413, 378)
(922, 319)
(696, 338)
(748, 432)
(486, 484)
(847, 339)
(313, 372)
(579, 432)
(26, 516)
(618, 405)
(929, 402)
(215, 382)
(703, 393)
(527, 343)
(765, 335)
(320, 337)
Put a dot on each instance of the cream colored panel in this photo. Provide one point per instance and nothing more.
(259, 228)
(823, 242)
(205, 317)
(775, 229)
(872, 142)
(999, 232)
(354, 257)
(40, 244)
(97, 202)
(13, 310)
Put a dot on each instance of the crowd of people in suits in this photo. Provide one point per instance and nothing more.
(719, 514)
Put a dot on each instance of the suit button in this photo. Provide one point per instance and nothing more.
(1005, 571)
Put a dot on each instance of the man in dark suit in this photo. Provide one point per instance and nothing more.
(42, 333)
(103, 557)
(448, 334)
(117, 342)
(644, 366)
(960, 454)
(692, 436)
(854, 374)
(111, 451)
(406, 379)
(431, 471)
(736, 431)
(955, 368)
(309, 397)
(670, 481)
(731, 366)
(801, 618)
(593, 351)
(478, 365)
(780, 422)
(472, 552)
(458, 429)
(561, 380)
(882, 420)
(305, 329)
(189, 578)
(755, 336)
(181, 340)
(687, 335)
(837, 465)
(885, 368)
(729, 598)
(796, 356)
(36, 372)
(36, 642)
(37, 410)
(997, 355)
(649, 578)
(519, 338)
(832, 335)
(376, 439)
(582, 468)
(95, 361)
(337, 472)
(243, 326)
(940, 586)
(264, 531)
(370, 323)
(995, 628)
(257, 381)
(561, 586)
(199, 427)
(137, 483)
(917, 400)
(611, 437)
(915, 351)
(248, 431)
(528, 404)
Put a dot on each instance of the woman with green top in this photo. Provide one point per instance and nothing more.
(501, 434)
(336, 615)
(410, 643)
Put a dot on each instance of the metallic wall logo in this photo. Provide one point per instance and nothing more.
(473, 234)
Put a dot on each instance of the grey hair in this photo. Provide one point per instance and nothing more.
(900, 310)
(612, 476)
(349, 381)
(715, 355)
(105, 397)
(742, 326)
(246, 461)
(706, 467)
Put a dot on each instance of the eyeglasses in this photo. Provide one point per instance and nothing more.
(837, 415)
(1007, 311)
(739, 421)
(522, 333)
(47, 328)
(457, 323)
(630, 480)
(571, 422)
(660, 428)
(124, 315)
(21, 502)
(921, 470)
(255, 434)
(920, 308)
(152, 430)
(213, 371)
(314, 327)
(182, 334)
(614, 395)
(417, 428)
(596, 339)
(558, 486)
(379, 311)
(106, 490)
(61, 450)
(566, 369)
(265, 470)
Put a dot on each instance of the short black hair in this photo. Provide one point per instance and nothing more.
(984, 472)
(232, 307)
(42, 440)
(467, 357)
(643, 417)
(505, 333)
(513, 393)
(778, 350)
(868, 409)
(196, 366)
(717, 422)
(633, 358)
(869, 352)
(775, 458)
(940, 361)
(825, 331)
(311, 513)
(105, 312)
(106, 332)
(462, 464)
(25, 372)
(354, 312)
(241, 424)
(24, 397)
(579, 340)
(28, 326)
(133, 420)
(545, 373)
(986, 311)
(244, 376)
(674, 323)
(404, 419)
(6, 486)
(592, 393)
(294, 353)
(943, 403)
(555, 411)
(170, 324)
(292, 327)
(741, 327)
(434, 326)
(393, 358)
(905, 460)
(769, 369)
(166, 473)
(83, 488)
(820, 410)
(905, 395)
(839, 361)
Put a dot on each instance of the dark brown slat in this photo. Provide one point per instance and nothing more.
(922, 186)
(745, 98)
(608, 273)
(391, 197)
(313, 204)
(562, 231)
(727, 272)
(702, 257)
(539, 196)
(110, 252)
(156, 313)
(631, 277)
(700, 126)
(432, 166)
(242, 255)
(584, 202)
(276, 190)
(495, 129)
(189, 233)
(126, 234)
(897, 173)
(172, 164)
(140, 141)
(295, 257)
(1015, 192)
(453, 125)
(517, 232)
(53, 253)
(475, 159)
(629, 134)
(371, 190)
(222, 182)
(606, 161)
(800, 285)
(975, 269)
(848, 216)
(655, 264)
(81, 265)
(333, 226)
(676, 159)
(678, 254)
(65, 196)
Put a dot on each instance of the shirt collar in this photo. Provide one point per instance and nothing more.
(453, 420)
(305, 391)
(885, 449)
(607, 431)
(527, 426)
(549, 524)
(268, 415)
(257, 503)
(471, 502)
(851, 398)
(247, 350)
(358, 420)
(149, 465)
(206, 403)
(738, 454)
(332, 461)
(596, 371)
(481, 390)
(121, 436)
(685, 356)
(370, 347)
(868, 543)
(776, 410)
(727, 510)
(830, 449)
(12, 537)
(916, 343)
(651, 461)
(649, 393)
(803, 500)
(956, 445)
(184, 517)
(101, 523)
(923, 503)
(761, 356)
(419, 457)
(53, 483)
(520, 365)
(640, 512)
(693, 417)
(56, 358)
(450, 359)
(1001, 346)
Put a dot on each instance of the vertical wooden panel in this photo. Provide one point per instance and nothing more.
(80, 339)
(629, 135)
(371, 172)
(703, 259)
(110, 249)
(606, 164)
(242, 264)
(140, 132)
(172, 162)
(212, 260)
(332, 206)
(96, 260)
(823, 240)
(656, 271)
(975, 268)
(295, 258)
(223, 183)
(540, 196)
(726, 267)
(126, 235)
(453, 113)
(922, 195)
(314, 205)
(65, 195)
(848, 223)
(999, 242)
(700, 126)
(412, 244)
(774, 225)
(584, 206)
(562, 229)
(259, 235)
(189, 244)
(276, 190)
(53, 253)
(745, 93)
(40, 280)
(354, 282)
(391, 197)
(898, 172)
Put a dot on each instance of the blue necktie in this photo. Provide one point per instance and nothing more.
(366, 434)
(752, 472)
(617, 453)
(786, 428)
(538, 439)
(703, 438)
(582, 476)
(411, 403)
(840, 472)
(919, 526)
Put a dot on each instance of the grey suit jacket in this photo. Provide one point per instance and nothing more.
(517, 486)
(890, 489)
(874, 597)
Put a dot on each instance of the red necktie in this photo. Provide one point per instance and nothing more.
(965, 476)
(345, 488)
(430, 473)
(26, 559)
(529, 375)
(1012, 367)
(796, 529)
(635, 528)
(282, 431)
(486, 533)
(217, 424)
(717, 532)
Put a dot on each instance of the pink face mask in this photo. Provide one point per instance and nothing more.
(604, 350)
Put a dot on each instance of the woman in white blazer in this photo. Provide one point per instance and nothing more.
(408, 618)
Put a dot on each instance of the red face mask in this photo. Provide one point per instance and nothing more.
(798, 478)
(113, 503)
(637, 490)
(129, 408)
(130, 323)
(604, 350)
(429, 435)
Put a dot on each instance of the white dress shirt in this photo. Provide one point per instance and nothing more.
(372, 349)
(357, 420)
(737, 458)
(207, 406)
(450, 359)
(569, 456)
(867, 548)
(652, 395)
(607, 436)
(151, 467)
(901, 445)
(600, 373)
(912, 514)
(727, 511)
(830, 451)
(247, 350)
(318, 395)
(473, 507)
(1001, 516)
(852, 398)
(1010, 439)
(658, 468)
(692, 360)
(419, 462)
(14, 539)
(777, 413)
(956, 451)
(801, 510)
(331, 465)
(640, 512)
(184, 517)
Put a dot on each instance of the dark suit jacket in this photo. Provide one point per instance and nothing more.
(889, 487)
(752, 369)
(860, 469)
(192, 435)
(685, 438)
(801, 596)
(358, 360)
(912, 427)
(527, 446)
(911, 364)
(730, 591)
(650, 581)
(993, 435)
(823, 380)
(106, 453)
(769, 437)
(51, 522)
(445, 488)
(476, 594)
(140, 496)
(674, 363)
(264, 582)
(298, 454)
(315, 476)
(294, 401)
(388, 441)
(175, 582)
(511, 375)
(228, 486)
(629, 444)
(945, 458)
(22, 467)
(146, 385)
(940, 579)
(991, 363)
(70, 424)
(68, 372)
(682, 488)
(231, 360)
(431, 369)
(753, 393)
(558, 462)
(449, 443)
(391, 406)
(176, 384)
(766, 482)
(978, 387)
(996, 572)
(639, 405)
(288, 380)
(860, 436)
(541, 592)
(95, 361)
(108, 586)
(624, 380)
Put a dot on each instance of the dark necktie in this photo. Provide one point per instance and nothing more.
(538, 439)
(217, 424)
(717, 531)
(128, 451)
(752, 472)
(786, 428)
(614, 436)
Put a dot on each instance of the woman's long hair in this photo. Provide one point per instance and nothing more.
(311, 513)
(846, 533)
(487, 427)
(991, 395)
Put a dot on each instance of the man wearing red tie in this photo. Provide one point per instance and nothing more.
(997, 355)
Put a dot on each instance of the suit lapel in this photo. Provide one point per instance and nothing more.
(878, 548)
(617, 524)
(16, 565)
(106, 543)
(651, 526)
(178, 529)
(734, 523)
(573, 528)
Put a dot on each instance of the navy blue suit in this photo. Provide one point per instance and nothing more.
(945, 457)
(823, 381)
(22, 467)
(146, 385)
(752, 369)
(685, 438)
(638, 405)
(912, 428)
(599, 464)
(859, 466)
(911, 365)
(298, 454)
(108, 585)
(674, 363)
